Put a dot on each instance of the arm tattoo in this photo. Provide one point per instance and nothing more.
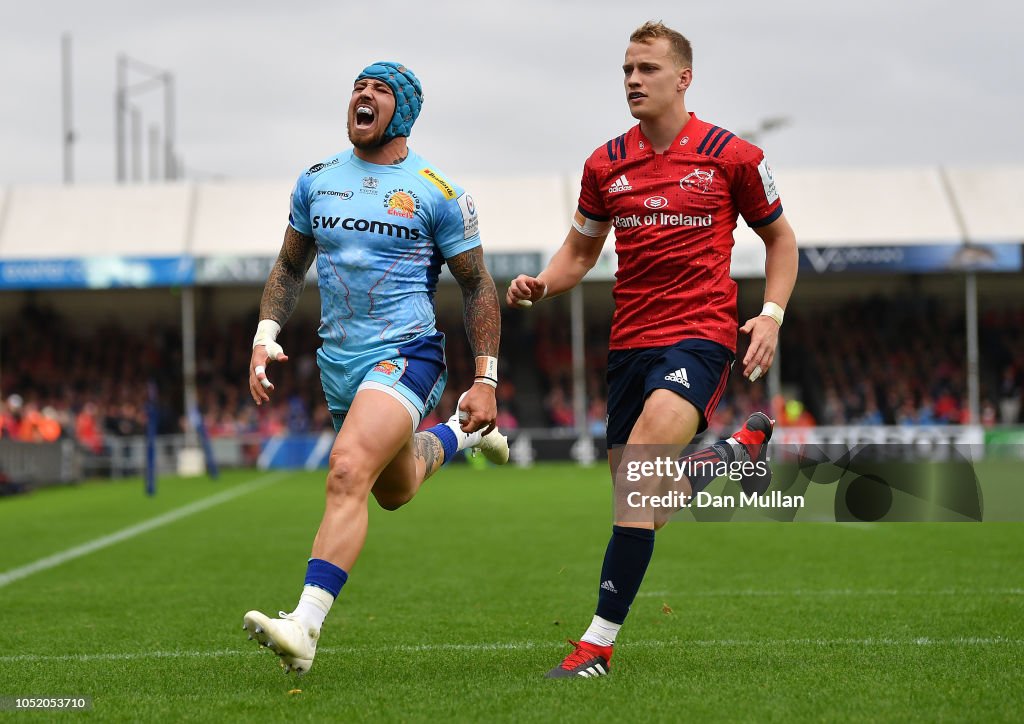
(481, 312)
(288, 277)
(428, 448)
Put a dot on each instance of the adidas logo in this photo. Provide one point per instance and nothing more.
(609, 586)
(679, 377)
(621, 184)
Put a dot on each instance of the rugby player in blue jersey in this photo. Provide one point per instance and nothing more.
(380, 221)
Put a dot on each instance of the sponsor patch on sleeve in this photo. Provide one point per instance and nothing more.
(768, 181)
(434, 178)
(470, 221)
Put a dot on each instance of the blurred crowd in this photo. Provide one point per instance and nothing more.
(878, 361)
(57, 383)
(868, 362)
(902, 362)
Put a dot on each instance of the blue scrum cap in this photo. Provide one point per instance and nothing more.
(408, 95)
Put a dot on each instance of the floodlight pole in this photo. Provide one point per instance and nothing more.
(971, 312)
(120, 96)
(970, 304)
(154, 153)
(579, 375)
(135, 117)
(170, 167)
(188, 360)
(67, 131)
(151, 77)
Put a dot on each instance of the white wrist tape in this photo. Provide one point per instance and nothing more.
(266, 334)
(773, 310)
(487, 370)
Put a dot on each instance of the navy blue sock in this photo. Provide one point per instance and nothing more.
(324, 574)
(625, 563)
(448, 440)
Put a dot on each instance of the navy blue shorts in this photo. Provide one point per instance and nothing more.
(414, 374)
(695, 369)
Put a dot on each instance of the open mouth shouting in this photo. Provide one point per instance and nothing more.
(366, 124)
(369, 112)
(365, 116)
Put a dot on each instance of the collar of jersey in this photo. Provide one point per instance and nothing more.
(689, 126)
(380, 168)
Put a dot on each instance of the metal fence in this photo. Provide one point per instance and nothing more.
(41, 464)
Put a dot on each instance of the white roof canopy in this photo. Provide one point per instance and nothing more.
(835, 207)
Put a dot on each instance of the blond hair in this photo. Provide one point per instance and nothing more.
(679, 46)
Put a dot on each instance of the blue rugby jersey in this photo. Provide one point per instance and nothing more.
(382, 233)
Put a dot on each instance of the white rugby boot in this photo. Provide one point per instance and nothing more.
(286, 637)
(493, 445)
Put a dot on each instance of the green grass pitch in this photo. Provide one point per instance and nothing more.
(464, 598)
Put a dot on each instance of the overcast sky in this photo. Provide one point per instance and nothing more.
(515, 87)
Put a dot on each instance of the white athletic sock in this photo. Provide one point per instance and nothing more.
(466, 439)
(602, 632)
(314, 605)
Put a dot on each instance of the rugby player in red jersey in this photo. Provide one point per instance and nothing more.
(672, 187)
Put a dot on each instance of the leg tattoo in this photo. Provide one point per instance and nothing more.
(428, 448)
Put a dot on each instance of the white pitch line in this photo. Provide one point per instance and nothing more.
(828, 593)
(16, 574)
(524, 645)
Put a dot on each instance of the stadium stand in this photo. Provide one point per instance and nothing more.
(876, 334)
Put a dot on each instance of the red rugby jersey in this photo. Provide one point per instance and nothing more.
(673, 215)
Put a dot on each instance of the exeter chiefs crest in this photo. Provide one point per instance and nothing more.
(400, 202)
(697, 180)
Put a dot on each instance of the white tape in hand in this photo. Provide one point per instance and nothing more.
(756, 373)
(261, 370)
(266, 335)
